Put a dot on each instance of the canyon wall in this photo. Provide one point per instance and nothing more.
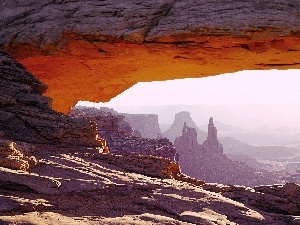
(146, 124)
(26, 115)
(121, 136)
(87, 50)
(142, 125)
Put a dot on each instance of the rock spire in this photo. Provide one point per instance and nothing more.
(212, 144)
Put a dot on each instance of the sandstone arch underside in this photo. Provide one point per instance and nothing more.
(94, 50)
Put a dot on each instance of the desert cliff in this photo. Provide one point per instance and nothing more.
(86, 50)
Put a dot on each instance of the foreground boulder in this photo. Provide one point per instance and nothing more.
(15, 159)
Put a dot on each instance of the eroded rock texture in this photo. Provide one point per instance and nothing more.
(87, 50)
(280, 198)
(77, 186)
(26, 115)
(16, 159)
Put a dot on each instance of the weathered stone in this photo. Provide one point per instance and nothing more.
(35, 182)
(282, 199)
(26, 115)
(75, 186)
(7, 205)
(15, 159)
(143, 164)
(106, 47)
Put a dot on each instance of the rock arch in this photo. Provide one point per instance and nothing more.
(96, 50)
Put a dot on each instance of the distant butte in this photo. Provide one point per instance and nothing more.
(94, 50)
(207, 162)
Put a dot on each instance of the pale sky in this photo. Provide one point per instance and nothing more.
(247, 98)
(245, 87)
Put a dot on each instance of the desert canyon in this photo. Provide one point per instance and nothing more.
(62, 165)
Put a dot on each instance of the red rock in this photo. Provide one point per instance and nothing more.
(117, 45)
(26, 115)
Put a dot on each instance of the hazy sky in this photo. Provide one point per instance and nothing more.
(245, 87)
(248, 98)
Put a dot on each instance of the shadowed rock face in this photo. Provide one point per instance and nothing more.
(26, 115)
(87, 50)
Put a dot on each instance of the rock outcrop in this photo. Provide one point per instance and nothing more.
(212, 144)
(282, 198)
(113, 189)
(143, 125)
(207, 161)
(122, 138)
(12, 158)
(78, 186)
(176, 128)
(26, 115)
(143, 164)
(80, 47)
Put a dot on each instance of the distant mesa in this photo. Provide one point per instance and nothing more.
(176, 128)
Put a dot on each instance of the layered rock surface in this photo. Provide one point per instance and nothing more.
(79, 186)
(46, 33)
(116, 44)
(281, 199)
(26, 115)
(112, 188)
